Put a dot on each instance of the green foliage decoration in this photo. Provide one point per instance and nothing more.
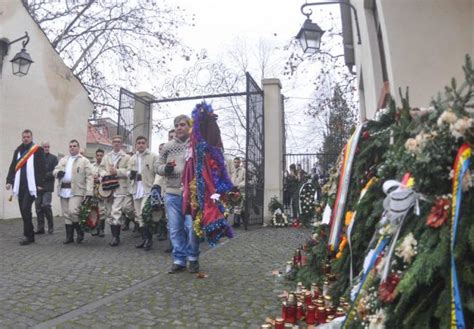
(424, 143)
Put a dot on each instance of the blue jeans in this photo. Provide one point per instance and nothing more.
(184, 240)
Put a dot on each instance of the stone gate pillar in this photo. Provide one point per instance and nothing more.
(273, 139)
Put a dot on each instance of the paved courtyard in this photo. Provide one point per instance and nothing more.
(48, 284)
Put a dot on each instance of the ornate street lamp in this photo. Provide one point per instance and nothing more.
(310, 33)
(21, 61)
(310, 36)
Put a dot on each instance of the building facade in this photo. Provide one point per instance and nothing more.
(419, 44)
(49, 100)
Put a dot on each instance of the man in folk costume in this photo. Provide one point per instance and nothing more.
(26, 175)
(43, 200)
(75, 183)
(142, 176)
(171, 164)
(116, 163)
(238, 179)
(104, 206)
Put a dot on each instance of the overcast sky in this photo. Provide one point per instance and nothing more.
(218, 23)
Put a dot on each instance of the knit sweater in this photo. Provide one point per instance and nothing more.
(175, 150)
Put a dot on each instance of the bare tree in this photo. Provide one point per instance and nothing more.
(326, 70)
(260, 60)
(111, 43)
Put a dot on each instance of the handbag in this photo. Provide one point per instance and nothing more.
(110, 182)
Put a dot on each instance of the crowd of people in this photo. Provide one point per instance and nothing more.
(293, 179)
(130, 180)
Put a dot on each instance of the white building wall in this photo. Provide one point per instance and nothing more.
(367, 60)
(49, 100)
(425, 43)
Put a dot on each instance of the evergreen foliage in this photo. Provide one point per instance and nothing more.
(424, 143)
(339, 123)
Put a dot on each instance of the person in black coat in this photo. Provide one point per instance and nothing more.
(26, 176)
(43, 200)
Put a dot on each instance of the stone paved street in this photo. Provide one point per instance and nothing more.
(49, 284)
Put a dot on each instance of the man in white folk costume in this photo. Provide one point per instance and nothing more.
(104, 197)
(142, 177)
(115, 164)
(75, 186)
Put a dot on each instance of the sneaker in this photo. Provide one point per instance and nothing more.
(193, 266)
(176, 268)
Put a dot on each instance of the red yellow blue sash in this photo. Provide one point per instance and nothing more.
(343, 189)
(25, 156)
(461, 165)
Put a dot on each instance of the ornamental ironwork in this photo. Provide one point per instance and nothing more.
(203, 78)
(254, 165)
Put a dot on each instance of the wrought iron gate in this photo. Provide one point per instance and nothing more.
(179, 91)
(254, 164)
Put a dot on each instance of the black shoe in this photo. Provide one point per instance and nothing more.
(115, 242)
(176, 268)
(141, 244)
(80, 233)
(101, 228)
(69, 234)
(148, 242)
(50, 230)
(115, 234)
(193, 266)
(39, 231)
(26, 241)
(126, 226)
(135, 227)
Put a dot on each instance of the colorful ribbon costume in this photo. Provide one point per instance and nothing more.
(205, 178)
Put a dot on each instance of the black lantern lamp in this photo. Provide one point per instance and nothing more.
(21, 63)
(310, 33)
(310, 36)
(22, 60)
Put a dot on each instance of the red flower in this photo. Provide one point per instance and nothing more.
(439, 213)
(387, 289)
(366, 135)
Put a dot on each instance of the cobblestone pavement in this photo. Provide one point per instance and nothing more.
(48, 284)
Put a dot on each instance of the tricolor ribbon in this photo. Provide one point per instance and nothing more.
(351, 225)
(25, 156)
(343, 188)
(461, 165)
(372, 257)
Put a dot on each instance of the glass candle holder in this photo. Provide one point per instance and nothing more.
(279, 323)
(311, 314)
(321, 315)
(299, 311)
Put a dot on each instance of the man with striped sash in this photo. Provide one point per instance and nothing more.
(26, 176)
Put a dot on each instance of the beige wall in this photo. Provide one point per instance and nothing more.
(49, 100)
(425, 42)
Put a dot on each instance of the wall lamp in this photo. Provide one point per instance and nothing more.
(21, 61)
(310, 33)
